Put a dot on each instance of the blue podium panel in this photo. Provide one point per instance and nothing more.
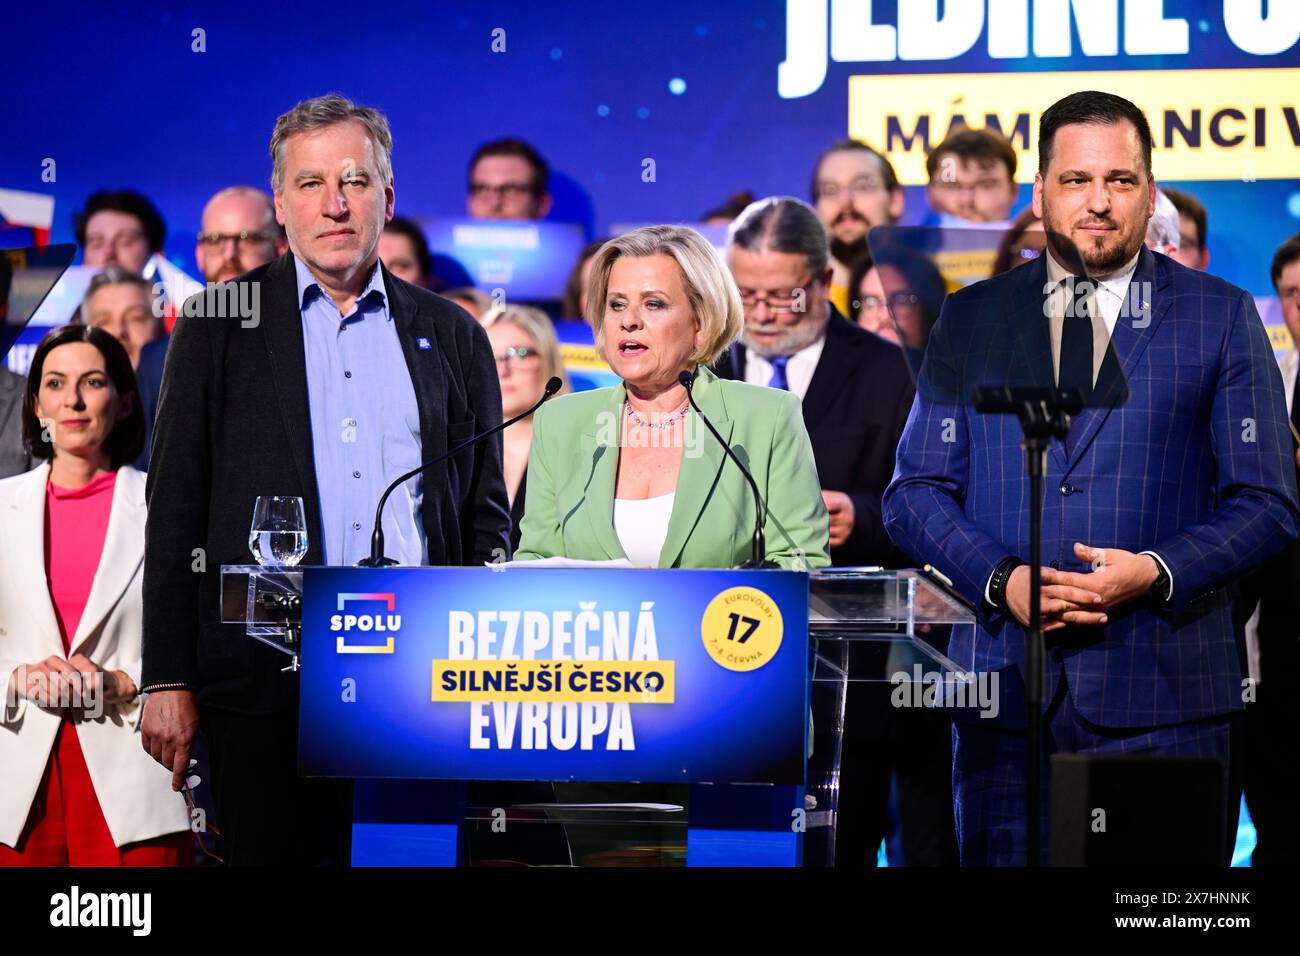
(746, 826)
(407, 823)
(427, 674)
(554, 674)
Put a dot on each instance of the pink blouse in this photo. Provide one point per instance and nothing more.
(76, 523)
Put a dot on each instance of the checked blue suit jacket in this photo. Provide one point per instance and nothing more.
(1193, 461)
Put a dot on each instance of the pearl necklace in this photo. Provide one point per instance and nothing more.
(666, 423)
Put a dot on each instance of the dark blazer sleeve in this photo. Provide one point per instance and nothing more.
(177, 489)
(148, 380)
(486, 522)
(14, 459)
(869, 540)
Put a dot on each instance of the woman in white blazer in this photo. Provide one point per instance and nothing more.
(76, 788)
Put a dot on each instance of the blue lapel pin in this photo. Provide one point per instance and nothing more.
(423, 343)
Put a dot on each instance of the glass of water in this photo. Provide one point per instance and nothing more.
(278, 537)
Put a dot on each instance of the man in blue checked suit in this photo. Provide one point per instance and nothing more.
(1174, 482)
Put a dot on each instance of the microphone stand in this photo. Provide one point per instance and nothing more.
(1044, 414)
(758, 547)
(377, 557)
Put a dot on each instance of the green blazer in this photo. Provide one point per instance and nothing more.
(574, 460)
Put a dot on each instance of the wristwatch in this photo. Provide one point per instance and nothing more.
(998, 582)
(1160, 589)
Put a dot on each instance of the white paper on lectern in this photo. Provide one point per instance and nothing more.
(561, 562)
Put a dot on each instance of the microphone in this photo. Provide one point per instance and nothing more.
(377, 557)
(758, 557)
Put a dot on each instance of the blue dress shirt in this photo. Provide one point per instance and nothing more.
(365, 423)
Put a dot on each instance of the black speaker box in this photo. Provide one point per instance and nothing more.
(1130, 811)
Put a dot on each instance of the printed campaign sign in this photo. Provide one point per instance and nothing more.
(554, 674)
(527, 260)
(585, 366)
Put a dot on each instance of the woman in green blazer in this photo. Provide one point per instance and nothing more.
(631, 471)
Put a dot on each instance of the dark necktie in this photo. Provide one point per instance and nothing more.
(778, 372)
(1076, 341)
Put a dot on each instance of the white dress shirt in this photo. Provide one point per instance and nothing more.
(1109, 295)
(1289, 364)
(1106, 303)
(798, 371)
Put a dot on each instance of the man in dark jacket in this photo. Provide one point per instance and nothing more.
(318, 375)
(14, 459)
(856, 391)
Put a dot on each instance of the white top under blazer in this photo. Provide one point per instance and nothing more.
(642, 526)
(133, 790)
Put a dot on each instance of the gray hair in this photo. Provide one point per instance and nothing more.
(782, 224)
(329, 110)
(111, 275)
(1163, 227)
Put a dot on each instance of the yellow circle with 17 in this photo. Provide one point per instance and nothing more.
(742, 628)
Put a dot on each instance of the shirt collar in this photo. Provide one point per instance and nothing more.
(307, 283)
(1116, 283)
(811, 351)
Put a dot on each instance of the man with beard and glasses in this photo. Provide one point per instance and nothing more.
(854, 386)
(854, 187)
(239, 233)
(855, 391)
(1175, 480)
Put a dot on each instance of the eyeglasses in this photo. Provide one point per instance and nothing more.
(504, 190)
(779, 304)
(862, 186)
(897, 300)
(519, 354)
(218, 239)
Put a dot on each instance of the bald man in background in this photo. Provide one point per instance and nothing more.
(239, 233)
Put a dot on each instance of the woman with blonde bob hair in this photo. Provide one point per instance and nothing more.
(527, 354)
(630, 471)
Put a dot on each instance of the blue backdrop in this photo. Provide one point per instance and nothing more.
(116, 96)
